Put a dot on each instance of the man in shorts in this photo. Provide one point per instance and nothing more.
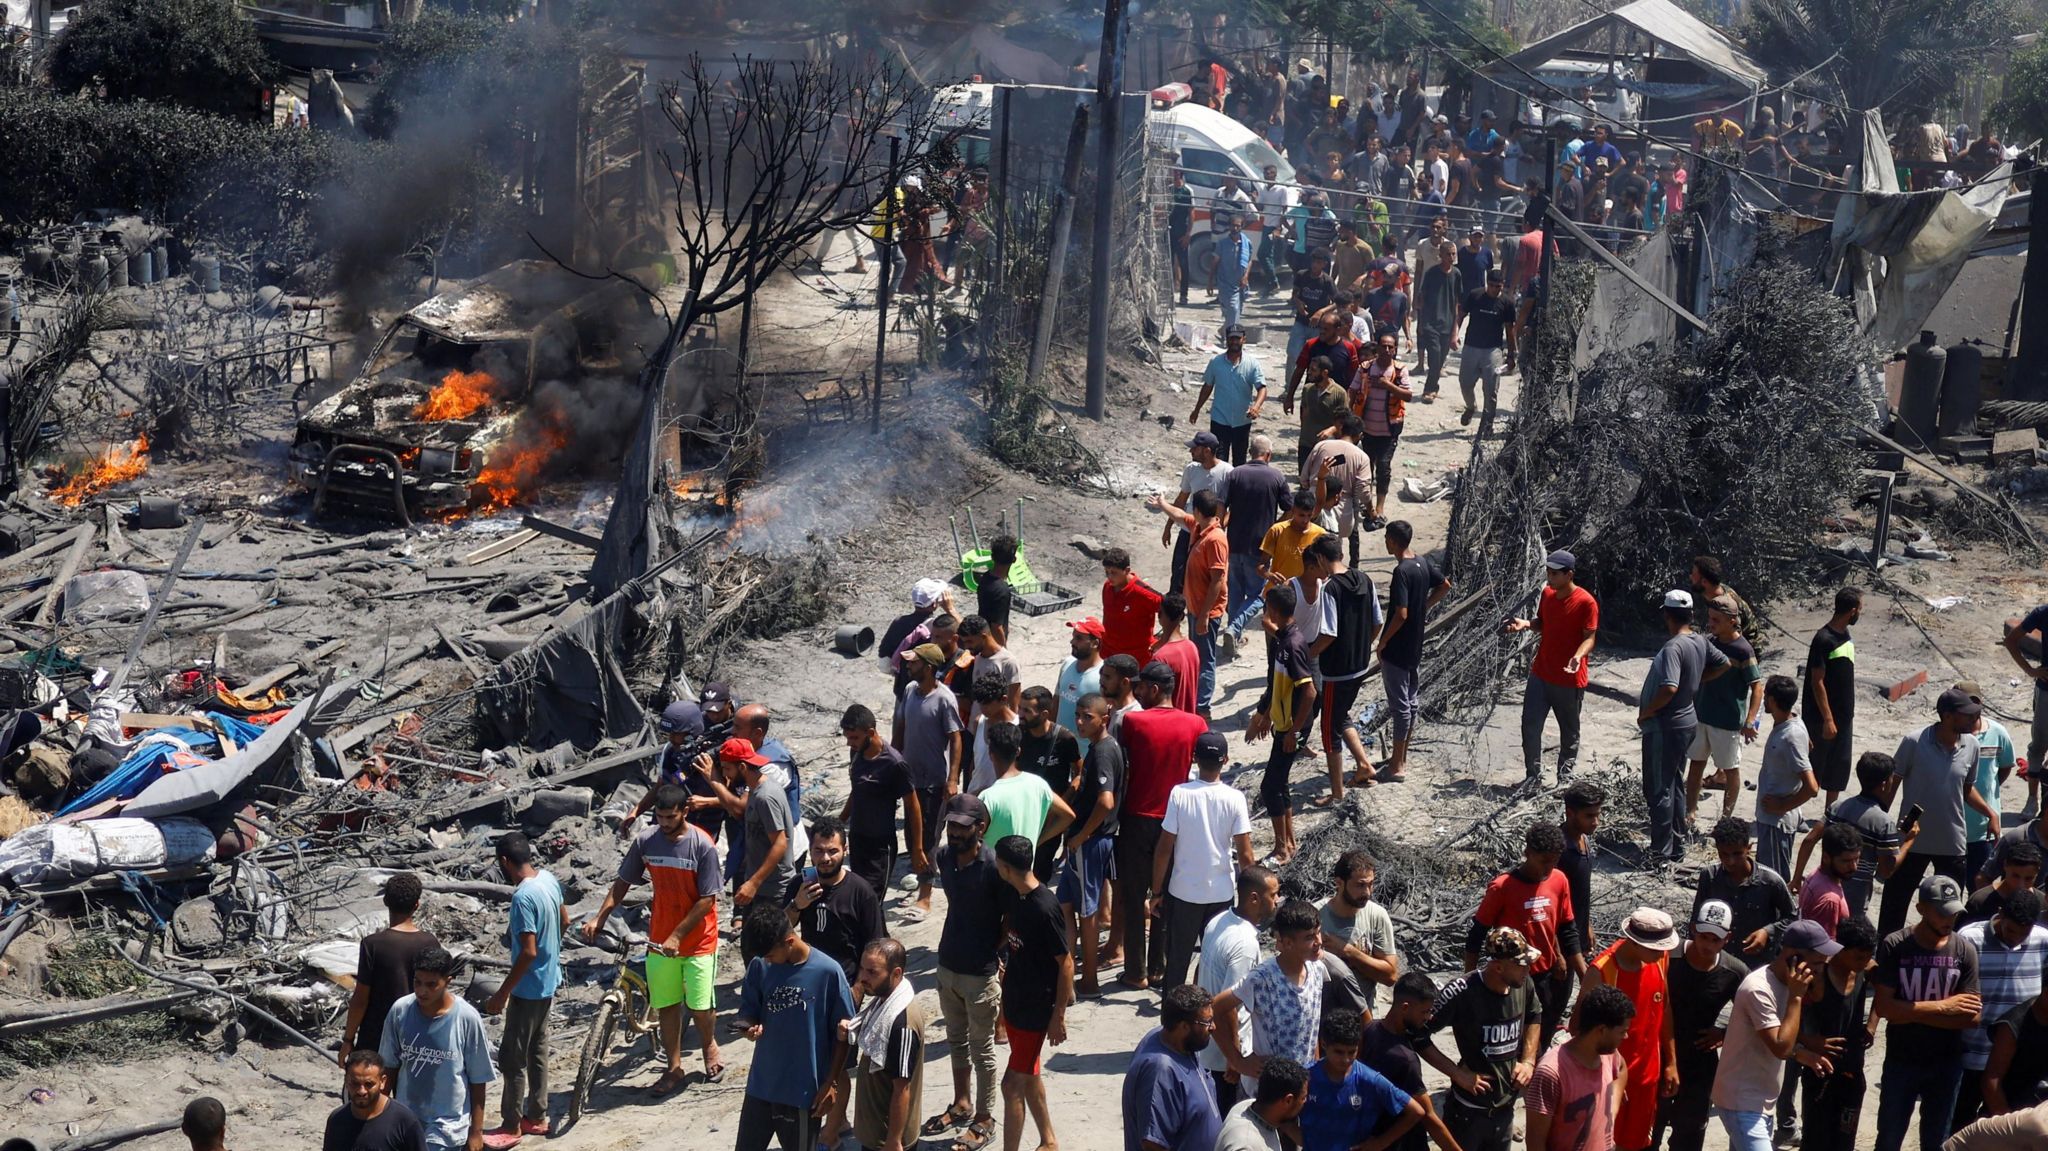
(1728, 710)
(1091, 845)
(1828, 695)
(682, 929)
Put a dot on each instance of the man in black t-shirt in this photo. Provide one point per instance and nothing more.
(1829, 695)
(992, 589)
(384, 962)
(880, 782)
(1832, 1090)
(1927, 993)
(968, 945)
(1417, 586)
(1493, 1018)
(370, 1120)
(835, 910)
(1701, 982)
(2016, 1077)
(1489, 319)
(1342, 658)
(1038, 984)
(1052, 754)
(1091, 844)
(1388, 1047)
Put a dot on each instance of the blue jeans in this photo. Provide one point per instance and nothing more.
(1930, 1082)
(1296, 337)
(1246, 584)
(1747, 1130)
(1205, 647)
(1230, 297)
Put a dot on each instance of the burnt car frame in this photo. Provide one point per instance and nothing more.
(367, 447)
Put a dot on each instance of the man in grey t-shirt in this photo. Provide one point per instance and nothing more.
(1668, 721)
(1357, 930)
(1932, 772)
(769, 872)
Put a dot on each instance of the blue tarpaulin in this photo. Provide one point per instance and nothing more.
(148, 762)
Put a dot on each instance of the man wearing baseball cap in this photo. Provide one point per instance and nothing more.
(1204, 472)
(1932, 773)
(1238, 384)
(1566, 622)
(927, 597)
(1492, 1015)
(769, 872)
(1927, 993)
(969, 944)
(1081, 674)
(1667, 720)
(1996, 758)
(1701, 983)
(1637, 964)
(1763, 1032)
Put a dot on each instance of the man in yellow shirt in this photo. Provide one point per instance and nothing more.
(1280, 554)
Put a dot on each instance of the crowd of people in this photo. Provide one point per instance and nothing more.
(1087, 826)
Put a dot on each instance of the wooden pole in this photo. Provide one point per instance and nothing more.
(1109, 111)
(1056, 251)
(1001, 198)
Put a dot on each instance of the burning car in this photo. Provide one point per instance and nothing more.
(442, 417)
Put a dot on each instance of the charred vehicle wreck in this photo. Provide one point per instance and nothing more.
(445, 414)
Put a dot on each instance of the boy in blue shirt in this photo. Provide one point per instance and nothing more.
(1348, 1101)
(533, 935)
(791, 1005)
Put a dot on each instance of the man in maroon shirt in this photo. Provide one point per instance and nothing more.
(1159, 746)
(1536, 900)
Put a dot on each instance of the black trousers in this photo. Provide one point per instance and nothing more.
(1232, 442)
(1136, 839)
(1553, 995)
(1833, 1106)
(873, 858)
(1226, 1092)
(1685, 1115)
(793, 1128)
(1182, 544)
(1480, 1130)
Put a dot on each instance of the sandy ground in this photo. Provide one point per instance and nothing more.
(890, 541)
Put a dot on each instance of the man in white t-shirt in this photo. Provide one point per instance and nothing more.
(1204, 473)
(1206, 836)
(1230, 949)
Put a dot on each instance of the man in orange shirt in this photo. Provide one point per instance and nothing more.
(1207, 576)
(682, 929)
(1636, 965)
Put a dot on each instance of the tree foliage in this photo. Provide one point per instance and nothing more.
(1900, 56)
(2022, 107)
(1378, 29)
(486, 77)
(198, 54)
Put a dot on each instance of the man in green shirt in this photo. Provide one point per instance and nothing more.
(1729, 710)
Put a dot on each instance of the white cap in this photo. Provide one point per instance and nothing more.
(1715, 918)
(913, 181)
(1678, 598)
(926, 592)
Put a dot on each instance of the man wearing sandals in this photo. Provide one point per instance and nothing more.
(682, 929)
(970, 997)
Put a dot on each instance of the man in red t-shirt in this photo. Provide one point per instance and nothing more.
(1206, 582)
(1567, 619)
(1177, 651)
(1159, 747)
(1636, 964)
(1130, 607)
(1536, 900)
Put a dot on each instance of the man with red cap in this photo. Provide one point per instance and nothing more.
(769, 870)
(1082, 673)
(1636, 964)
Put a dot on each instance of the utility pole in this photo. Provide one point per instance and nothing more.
(2030, 373)
(1001, 199)
(892, 203)
(1109, 112)
(1543, 225)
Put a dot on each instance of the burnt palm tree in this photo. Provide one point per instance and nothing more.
(1892, 55)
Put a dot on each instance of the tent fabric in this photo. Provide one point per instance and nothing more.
(570, 686)
(1662, 21)
(1621, 318)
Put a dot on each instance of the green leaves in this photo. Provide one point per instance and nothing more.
(198, 54)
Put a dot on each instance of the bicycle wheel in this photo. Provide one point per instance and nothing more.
(596, 1045)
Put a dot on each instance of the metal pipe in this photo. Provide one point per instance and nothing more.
(58, 1019)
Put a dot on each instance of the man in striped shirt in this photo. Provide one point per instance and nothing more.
(2011, 949)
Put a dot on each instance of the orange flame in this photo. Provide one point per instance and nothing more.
(458, 396)
(517, 468)
(117, 464)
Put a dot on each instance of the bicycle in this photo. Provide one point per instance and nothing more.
(627, 1005)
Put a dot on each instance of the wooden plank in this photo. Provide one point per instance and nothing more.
(43, 547)
(147, 720)
(73, 560)
(285, 671)
(505, 546)
(582, 539)
(474, 669)
(2017, 441)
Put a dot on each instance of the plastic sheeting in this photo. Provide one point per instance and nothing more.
(1900, 251)
(572, 685)
(166, 749)
(205, 784)
(1621, 318)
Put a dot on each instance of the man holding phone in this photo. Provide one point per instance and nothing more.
(1763, 1032)
(1932, 772)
